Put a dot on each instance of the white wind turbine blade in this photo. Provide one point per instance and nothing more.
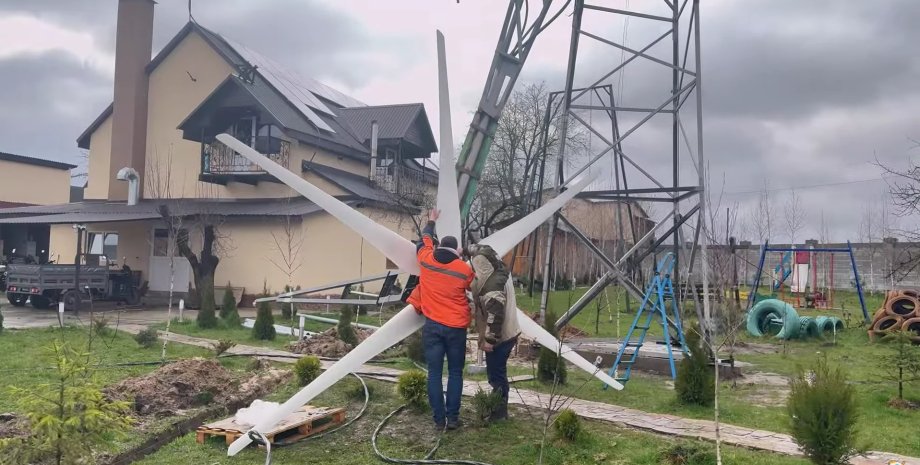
(505, 239)
(406, 322)
(395, 247)
(544, 338)
(448, 197)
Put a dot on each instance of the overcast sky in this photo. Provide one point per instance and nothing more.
(797, 94)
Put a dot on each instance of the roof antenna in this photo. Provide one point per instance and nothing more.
(190, 17)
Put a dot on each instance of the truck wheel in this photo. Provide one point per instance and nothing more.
(41, 302)
(71, 300)
(18, 300)
(133, 297)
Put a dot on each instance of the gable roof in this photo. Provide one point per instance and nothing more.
(315, 101)
(393, 122)
(35, 161)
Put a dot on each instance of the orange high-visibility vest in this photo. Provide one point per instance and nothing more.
(443, 298)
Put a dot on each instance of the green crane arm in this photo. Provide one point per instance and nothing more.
(514, 45)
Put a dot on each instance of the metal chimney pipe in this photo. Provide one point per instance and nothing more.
(130, 175)
(373, 173)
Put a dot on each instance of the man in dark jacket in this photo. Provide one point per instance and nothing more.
(443, 281)
(496, 319)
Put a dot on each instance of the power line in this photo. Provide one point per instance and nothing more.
(808, 186)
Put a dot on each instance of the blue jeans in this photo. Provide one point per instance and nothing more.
(497, 367)
(438, 341)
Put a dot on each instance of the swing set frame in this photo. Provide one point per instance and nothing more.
(812, 251)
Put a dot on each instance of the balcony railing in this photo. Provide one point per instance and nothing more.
(408, 184)
(217, 158)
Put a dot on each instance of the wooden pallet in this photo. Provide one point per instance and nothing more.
(296, 426)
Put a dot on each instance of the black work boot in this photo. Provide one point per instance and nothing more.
(500, 412)
(439, 426)
(453, 424)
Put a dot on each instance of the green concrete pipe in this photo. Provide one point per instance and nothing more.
(774, 317)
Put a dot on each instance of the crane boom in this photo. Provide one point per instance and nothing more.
(514, 44)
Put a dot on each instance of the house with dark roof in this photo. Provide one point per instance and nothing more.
(24, 182)
(162, 124)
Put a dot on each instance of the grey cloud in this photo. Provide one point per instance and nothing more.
(308, 36)
(48, 100)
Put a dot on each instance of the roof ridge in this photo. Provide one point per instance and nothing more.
(389, 105)
(30, 160)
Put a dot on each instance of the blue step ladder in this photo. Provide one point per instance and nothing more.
(659, 291)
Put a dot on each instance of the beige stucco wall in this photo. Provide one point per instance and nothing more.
(330, 252)
(38, 185)
(100, 156)
(172, 97)
(62, 243)
(133, 242)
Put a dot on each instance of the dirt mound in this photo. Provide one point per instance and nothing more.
(177, 386)
(570, 332)
(13, 426)
(327, 343)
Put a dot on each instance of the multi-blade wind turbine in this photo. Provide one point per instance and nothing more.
(403, 253)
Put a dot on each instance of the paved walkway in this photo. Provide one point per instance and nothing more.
(657, 423)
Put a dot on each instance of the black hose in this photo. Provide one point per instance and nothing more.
(426, 460)
(367, 398)
(260, 438)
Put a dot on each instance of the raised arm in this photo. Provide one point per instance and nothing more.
(428, 231)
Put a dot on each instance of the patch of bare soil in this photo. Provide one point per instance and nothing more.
(327, 343)
(764, 389)
(571, 332)
(743, 347)
(903, 404)
(12, 426)
(414, 428)
(176, 386)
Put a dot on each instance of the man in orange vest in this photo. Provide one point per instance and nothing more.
(443, 281)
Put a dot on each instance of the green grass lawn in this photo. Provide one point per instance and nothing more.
(242, 335)
(25, 357)
(239, 335)
(761, 407)
(410, 436)
(26, 360)
(604, 323)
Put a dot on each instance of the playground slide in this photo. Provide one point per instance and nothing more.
(786, 269)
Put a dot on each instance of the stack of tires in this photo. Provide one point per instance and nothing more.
(773, 317)
(900, 311)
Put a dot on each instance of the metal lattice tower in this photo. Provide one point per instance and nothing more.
(680, 105)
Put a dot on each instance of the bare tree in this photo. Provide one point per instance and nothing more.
(288, 241)
(904, 191)
(794, 216)
(761, 217)
(520, 157)
(159, 185)
(720, 329)
(214, 244)
(868, 232)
